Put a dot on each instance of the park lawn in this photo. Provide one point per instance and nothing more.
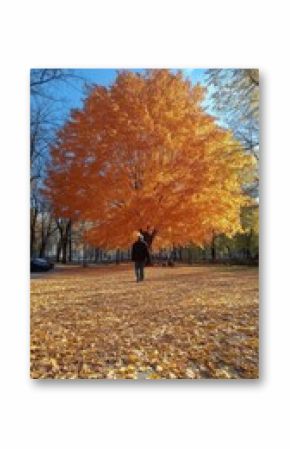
(183, 322)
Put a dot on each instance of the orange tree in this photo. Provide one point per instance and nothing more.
(144, 153)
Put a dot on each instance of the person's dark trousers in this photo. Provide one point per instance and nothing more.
(139, 270)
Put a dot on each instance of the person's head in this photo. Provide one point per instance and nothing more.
(140, 237)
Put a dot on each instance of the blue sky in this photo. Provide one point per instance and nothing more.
(108, 76)
(72, 92)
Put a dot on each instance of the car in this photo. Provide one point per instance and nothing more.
(40, 264)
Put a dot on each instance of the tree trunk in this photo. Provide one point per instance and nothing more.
(64, 231)
(70, 241)
(213, 252)
(190, 256)
(97, 254)
(84, 255)
(33, 219)
(42, 248)
(213, 249)
(43, 237)
(58, 250)
(32, 240)
(64, 250)
(249, 253)
(148, 238)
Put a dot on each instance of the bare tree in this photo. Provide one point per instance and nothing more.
(45, 118)
(48, 229)
(64, 227)
(42, 79)
(234, 95)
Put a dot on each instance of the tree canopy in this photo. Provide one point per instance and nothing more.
(143, 153)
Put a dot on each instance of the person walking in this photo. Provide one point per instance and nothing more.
(140, 254)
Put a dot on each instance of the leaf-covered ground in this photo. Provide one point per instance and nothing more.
(181, 322)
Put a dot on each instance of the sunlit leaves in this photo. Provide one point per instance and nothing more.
(145, 145)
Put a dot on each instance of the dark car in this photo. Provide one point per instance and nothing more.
(40, 264)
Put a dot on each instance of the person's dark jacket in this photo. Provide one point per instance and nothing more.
(140, 251)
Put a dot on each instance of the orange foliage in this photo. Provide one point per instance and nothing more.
(143, 152)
